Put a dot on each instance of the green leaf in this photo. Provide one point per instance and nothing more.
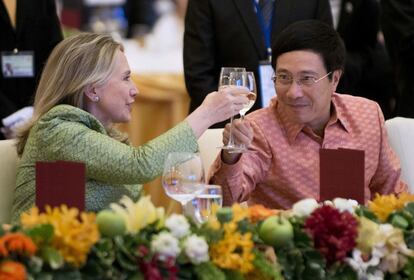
(41, 233)
(268, 269)
(363, 211)
(208, 271)
(52, 257)
(233, 274)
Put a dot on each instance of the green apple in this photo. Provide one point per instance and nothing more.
(276, 231)
(110, 223)
(224, 214)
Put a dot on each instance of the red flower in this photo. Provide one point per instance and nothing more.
(334, 233)
(151, 268)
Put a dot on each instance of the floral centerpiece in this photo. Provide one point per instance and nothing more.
(336, 239)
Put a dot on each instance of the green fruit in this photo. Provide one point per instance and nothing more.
(110, 223)
(224, 215)
(276, 231)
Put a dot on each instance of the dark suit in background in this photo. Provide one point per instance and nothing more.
(398, 27)
(227, 33)
(368, 70)
(38, 30)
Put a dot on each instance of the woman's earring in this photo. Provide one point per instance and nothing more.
(96, 98)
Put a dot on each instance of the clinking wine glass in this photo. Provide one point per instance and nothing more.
(183, 176)
(231, 76)
(250, 83)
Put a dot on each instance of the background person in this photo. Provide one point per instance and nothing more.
(25, 26)
(74, 110)
(398, 27)
(368, 71)
(306, 115)
(230, 33)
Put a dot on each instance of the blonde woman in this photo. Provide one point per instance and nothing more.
(85, 88)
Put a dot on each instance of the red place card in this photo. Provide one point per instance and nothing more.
(60, 182)
(342, 174)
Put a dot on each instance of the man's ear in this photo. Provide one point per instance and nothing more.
(336, 76)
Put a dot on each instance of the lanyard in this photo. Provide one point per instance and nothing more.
(266, 29)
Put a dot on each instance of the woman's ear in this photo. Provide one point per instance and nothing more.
(91, 94)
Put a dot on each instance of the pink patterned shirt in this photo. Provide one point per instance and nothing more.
(285, 166)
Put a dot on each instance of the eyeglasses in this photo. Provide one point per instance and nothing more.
(283, 79)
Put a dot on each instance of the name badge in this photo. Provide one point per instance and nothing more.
(17, 64)
(266, 84)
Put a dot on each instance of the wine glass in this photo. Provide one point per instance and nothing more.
(231, 76)
(250, 83)
(225, 75)
(183, 176)
(251, 95)
(200, 208)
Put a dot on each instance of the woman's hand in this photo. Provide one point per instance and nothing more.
(217, 107)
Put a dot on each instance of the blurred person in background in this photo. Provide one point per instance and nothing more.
(141, 16)
(28, 32)
(368, 71)
(168, 30)
(398, 27)
(238, 34)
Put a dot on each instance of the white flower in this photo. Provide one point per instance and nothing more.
(304, 207)
(196, 249)
(166, 245)
(178, 225)
(343, 204)
(361, 267)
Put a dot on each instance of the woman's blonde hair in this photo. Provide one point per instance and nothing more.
(76, 63)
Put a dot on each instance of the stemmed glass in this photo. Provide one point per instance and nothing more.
(231, 76)
(183, 176)
(251, 95)
(250, 83)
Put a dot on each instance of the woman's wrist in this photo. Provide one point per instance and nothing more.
(199, 121)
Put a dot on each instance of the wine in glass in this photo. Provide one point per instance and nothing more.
(231, 76)
(251, 95)
(183, 176)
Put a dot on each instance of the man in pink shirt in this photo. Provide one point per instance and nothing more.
(307, 115)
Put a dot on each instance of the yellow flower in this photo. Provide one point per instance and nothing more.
(138, 215)
(368, 235)
(234, 251)
(239, 213)
(384, 205)
(73, 237)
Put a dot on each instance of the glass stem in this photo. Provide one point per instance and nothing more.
(231, 141)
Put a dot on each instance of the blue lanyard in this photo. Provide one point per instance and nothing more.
(266, 29)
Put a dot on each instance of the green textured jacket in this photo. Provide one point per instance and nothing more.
(113, 169)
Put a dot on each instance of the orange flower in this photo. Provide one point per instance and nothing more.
(10, 270)
(258, 213)
(16, 242)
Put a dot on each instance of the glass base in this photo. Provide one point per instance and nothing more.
(232, 149)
